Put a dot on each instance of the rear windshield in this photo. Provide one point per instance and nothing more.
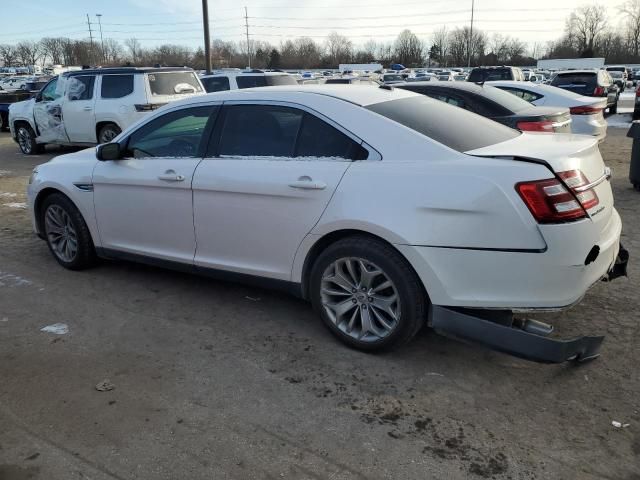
(250, 81)
(173, 83)
(390, 78)
(577, 80)
(490, 74)
(454, 127)
(504, 99)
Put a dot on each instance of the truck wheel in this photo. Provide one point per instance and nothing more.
(108, 132)
(613, 109)
(27, 140)
(4, 125)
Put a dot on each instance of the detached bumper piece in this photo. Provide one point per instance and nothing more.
(619, 268)
(499, 331)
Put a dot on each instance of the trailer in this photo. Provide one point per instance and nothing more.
(570, 63)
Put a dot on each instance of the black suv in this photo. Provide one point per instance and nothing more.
(488, 74)
(591, 83)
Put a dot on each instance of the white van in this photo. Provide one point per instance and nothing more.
(93, 106)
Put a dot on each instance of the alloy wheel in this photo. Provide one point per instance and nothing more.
(360, 299)
(61, 233)
(24, 140)
(107, 135)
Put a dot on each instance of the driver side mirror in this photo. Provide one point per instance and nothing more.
(108, 151)
(38, 97)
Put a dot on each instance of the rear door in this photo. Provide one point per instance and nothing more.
(78, 109)
(262, 189)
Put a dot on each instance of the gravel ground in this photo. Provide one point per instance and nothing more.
(216, 380)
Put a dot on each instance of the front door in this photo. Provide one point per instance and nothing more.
(265, 186)
(47, 113)
(78, 112)
(143, 202)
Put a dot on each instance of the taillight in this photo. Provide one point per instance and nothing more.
(638, 91)
(585, 110)
(147, 107)
(599, 91)
(552, 201)
(542, 126)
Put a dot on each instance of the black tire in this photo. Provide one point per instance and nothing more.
(613, 109)
(4, 122)
(27, 140)
(413, 301)
(636, 186)
(108, 132)
(85, 256)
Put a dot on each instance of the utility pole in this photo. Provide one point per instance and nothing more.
(91, 39)
(470, 36)
(104, 58)
(207, 42)
(246, 24)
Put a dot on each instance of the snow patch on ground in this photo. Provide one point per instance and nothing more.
(5, 173)
(621, 120)
(11, 280)
(21, 205)
(8, 195)
(57, 328)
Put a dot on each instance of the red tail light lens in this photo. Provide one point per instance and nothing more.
(551, 201)
(638, 91)
(599, 91)
(585, 110)
(543, 126)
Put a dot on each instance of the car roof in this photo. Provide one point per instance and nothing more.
(466, 86)
(244, 73)
(585, 70)
(124, 70)
(361, 95)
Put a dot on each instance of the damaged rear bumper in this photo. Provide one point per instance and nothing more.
(619, 267)
(498, 330)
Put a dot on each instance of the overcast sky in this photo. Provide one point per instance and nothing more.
(179, 21)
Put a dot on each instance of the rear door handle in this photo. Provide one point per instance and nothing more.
(87, 109)
(307, 183)
(171, 176)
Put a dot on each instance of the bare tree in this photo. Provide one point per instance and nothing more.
(440, 45)
(586, 24)
(8, 55)
(339, 49)
(135, 49)
(408, 49)
(113, 51)
(29, 52)
(53, 49)
(632, 10)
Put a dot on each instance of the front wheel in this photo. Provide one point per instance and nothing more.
(367, 294)
(613, 109)
(67, 234)
(4, 124)
(27, 140)
(108, 132)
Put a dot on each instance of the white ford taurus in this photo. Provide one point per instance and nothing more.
(386, 209)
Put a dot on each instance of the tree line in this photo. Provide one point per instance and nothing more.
(587, 33)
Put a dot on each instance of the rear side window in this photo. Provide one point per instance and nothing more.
(274, 80)
(80, 87)
(526, 95)
(319, 139)
(116, 86)
(250, 81)
(453, 127)
(173, 83)
(338, 81)
(215, 84)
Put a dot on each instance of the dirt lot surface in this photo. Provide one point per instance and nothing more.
(215, 380)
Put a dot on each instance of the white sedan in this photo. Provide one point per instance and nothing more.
(386, 209)
(587, 113)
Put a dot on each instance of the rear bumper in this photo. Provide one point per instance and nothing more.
(553, 278)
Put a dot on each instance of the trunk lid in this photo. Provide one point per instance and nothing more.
(560, 117)
(562, 153)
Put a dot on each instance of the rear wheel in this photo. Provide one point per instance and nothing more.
(67, 233)
(108, 132)
(4, 125)
(613, 109)
(27, 140)
(367, 294)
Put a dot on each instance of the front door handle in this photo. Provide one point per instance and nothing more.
(307, 183)
(87, 109)
(171, 176)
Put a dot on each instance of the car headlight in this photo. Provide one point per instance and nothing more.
(33, 175)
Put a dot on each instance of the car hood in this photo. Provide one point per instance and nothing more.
(85, 156)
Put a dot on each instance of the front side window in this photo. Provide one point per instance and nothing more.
(275, 131)
(116, 86)
(49, 92)
(80, 87)
(215, 84)
(175, 134)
